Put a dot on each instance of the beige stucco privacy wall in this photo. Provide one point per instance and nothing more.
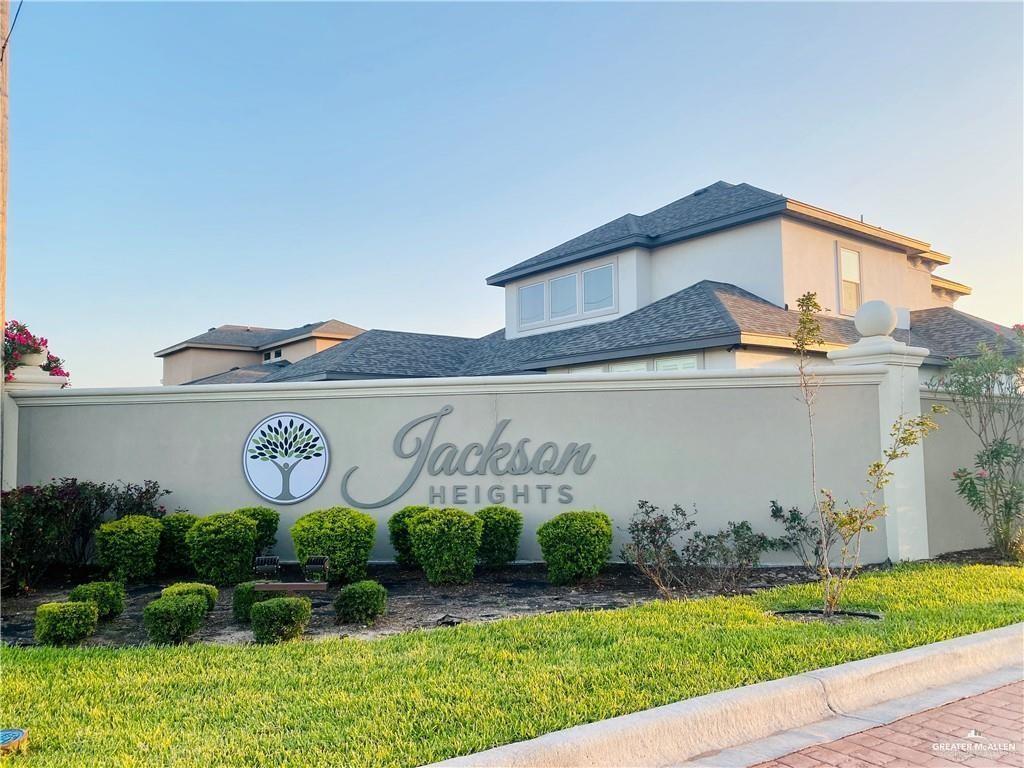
(727, 442)
(952, 525)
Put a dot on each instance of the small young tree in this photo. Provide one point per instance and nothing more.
(988, 392)
(286, 446)
(845, 524)
(653, 538)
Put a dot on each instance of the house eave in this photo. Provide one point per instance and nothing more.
(638, 240)
(194, 345)
(786, 207)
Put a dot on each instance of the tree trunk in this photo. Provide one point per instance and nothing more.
(286, 473)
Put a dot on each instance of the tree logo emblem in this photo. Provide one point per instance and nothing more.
(285, 458)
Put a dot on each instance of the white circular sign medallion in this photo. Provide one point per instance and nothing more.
(285, 458)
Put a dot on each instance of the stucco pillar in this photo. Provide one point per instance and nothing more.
(906, 523)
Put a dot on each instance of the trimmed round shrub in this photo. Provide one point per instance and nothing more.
(206, 591)
(107, 595)
(266, 520)
(499, 542)
(172, 618)
(173, 556)
(344, 535)
(398, 532)
(65, 623)
(245, 597)
(127, 548)
(282, 618)
(445, 543)
(222, 547)
(361, 603)
(575, 545)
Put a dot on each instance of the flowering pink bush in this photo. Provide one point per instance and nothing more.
(18, 342)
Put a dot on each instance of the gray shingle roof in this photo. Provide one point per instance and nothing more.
(722, 204)
(249, 374)
(376, 354)
(704, 315)
(255, 338)
(948, 332)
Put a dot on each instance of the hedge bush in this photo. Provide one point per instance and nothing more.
(222, 547)
(344, 535)
(173, 556)
(499, 541)
(65, 623)
(282, 618)
(361, 603)
(55, 523)
(107, 595)
(127, 548)
(245, 597)
(206, 591)
(172, 618)
(445, 542)
(575, 545)
(398, 532)
(267, 521)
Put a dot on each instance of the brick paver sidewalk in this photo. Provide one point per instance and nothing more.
(984, 731)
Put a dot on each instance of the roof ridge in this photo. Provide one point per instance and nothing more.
(717, 303)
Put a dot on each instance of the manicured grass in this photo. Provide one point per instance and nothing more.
(424, 696)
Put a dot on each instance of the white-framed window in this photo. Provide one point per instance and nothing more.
(277, 353)
(628, 366)
(266, 356)
(563, 299)
(567, 296)
(531, 304)
(598, 288)
(849, 281)
(678, 363)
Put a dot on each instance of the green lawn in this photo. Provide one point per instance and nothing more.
(423, 696)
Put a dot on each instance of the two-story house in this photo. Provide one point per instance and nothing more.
(239, 354)
(709, 281)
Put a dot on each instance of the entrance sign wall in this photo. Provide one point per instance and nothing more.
(726, 442)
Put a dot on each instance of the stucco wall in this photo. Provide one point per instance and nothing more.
(749, 256)
(952, 525)
(194, 363)
(728, 442)
(810, 264)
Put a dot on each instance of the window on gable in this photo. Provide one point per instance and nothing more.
(531, 304)
(277, 353)
(563, 297)
(681, 363)
(598, 288)
(628, 366)
(266, 356)
(849, 281)
(567, 296)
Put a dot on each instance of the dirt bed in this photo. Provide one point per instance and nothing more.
(412, 603)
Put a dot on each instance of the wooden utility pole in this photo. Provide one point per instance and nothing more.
(6, 473)
(5, 27)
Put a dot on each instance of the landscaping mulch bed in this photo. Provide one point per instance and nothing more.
(519, 590)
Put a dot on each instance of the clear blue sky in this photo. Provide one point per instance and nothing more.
(179, 166)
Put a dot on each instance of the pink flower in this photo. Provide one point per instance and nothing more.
(982, 474)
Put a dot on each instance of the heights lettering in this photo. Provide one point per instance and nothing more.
(416, 442)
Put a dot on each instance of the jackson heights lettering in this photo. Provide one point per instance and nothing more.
(496, 458)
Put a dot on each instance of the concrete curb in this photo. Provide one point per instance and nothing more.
(677, 732)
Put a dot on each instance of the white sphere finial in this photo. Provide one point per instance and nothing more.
(875, 318)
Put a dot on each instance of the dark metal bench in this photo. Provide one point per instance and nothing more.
(314, 571)
(267, 566)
